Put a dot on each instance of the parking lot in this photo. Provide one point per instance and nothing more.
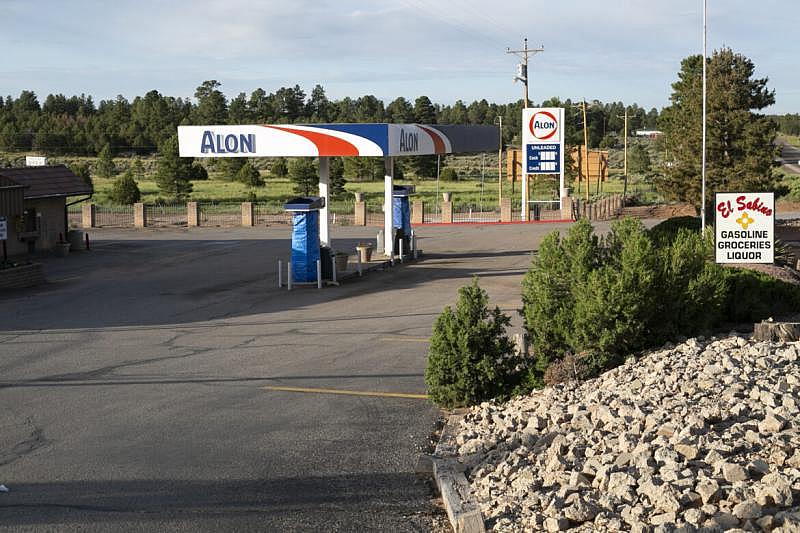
(140, 385)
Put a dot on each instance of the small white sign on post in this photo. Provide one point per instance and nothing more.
(745, 227)
(35, 161)
(3, 229)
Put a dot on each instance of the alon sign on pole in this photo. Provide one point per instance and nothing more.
(543, 140)
(3, 229)
(745, 227)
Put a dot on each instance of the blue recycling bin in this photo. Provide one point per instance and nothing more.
(401, 216)
(305, 236)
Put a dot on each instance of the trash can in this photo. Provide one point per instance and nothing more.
(326, 260)
(401, 217)
(305, 236)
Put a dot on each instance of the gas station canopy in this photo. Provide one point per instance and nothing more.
(330, 140)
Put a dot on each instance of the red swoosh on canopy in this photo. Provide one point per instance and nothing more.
(327, 145)
(438, 144)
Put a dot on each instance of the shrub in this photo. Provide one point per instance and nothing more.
(82, 171)
(448, 174)
(666, 231)
(124, 190)
(470, 357)
(249, 176)
(607, 298)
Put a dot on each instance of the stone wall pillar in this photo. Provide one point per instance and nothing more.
(192, 214)
(417, 212)
(139, 216)
(505, 210)
(360, 218)
(447, 212)
(88, 215)
(566, 208)
(247, 214)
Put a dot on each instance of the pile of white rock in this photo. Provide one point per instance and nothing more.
(698, 437)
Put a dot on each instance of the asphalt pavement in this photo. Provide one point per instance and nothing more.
(790, 157)
(138, 387)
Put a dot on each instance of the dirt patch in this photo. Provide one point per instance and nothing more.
(789, 275)
(660, 211)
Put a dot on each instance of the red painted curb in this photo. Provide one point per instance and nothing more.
(492, 223)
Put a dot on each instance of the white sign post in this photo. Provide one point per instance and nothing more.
(745, 227)
(542, 146)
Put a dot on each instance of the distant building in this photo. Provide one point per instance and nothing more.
(34, 202)
(653, 134)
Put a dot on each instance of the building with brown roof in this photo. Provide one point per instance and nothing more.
(34, 202)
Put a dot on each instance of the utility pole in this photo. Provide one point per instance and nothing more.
(586, 147)
(703, 193)
(500, 165)
(625, 177)
(522, 68)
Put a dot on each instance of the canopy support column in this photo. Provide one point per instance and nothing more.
(388, 225)
(324, 187)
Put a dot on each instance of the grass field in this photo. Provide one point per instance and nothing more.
(477, 187)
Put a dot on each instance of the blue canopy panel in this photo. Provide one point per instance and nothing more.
(349, 140)
(305, 246)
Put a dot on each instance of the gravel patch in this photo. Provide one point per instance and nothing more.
(700, 436)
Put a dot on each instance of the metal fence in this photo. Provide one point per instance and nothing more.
(220, 214)
(166, 215)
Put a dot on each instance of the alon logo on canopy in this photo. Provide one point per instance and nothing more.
(227, 144)
(543, 125)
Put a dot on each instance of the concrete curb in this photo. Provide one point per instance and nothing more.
(372, 266)
(462, 509)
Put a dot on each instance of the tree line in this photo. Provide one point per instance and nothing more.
(75, 125)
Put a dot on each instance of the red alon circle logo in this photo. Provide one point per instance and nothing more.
(543, 125)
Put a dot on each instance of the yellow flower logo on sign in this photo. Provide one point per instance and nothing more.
(744, 220)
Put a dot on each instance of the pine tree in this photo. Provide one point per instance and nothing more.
(303, 173)
(470, 358)
(104, 167)
(740, 149)
(174, 172)
(337, 181)
(249, 175)
(125, 191)
(279, 168)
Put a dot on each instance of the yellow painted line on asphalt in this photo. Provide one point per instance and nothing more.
(345, 392)
(405, 339)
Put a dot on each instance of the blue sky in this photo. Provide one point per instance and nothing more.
(628, 50)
